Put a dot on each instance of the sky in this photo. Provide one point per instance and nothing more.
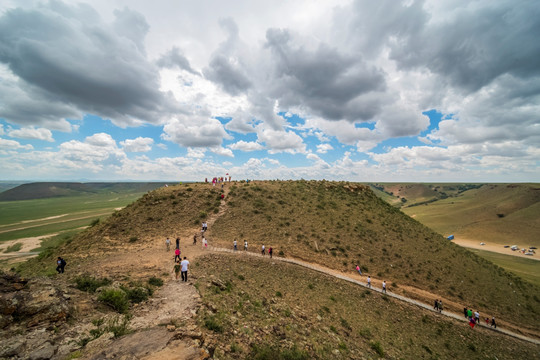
(387, 91)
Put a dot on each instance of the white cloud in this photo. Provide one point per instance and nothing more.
(324, 148)
(246, 146)
(280, 140)
(195, 153)
(222, 151)
(195, 131)
(139, 144)
(13, 145)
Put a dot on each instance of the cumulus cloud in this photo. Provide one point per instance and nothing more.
(324, 148)
(175, 58)
(222, 151)
(13, 145)
(139, 144)
(281, 141)
(32, 133)
(195, 131)
(67, 59)
(246, 146)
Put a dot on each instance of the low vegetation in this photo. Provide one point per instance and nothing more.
(304, 324)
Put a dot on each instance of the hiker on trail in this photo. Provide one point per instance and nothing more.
(176, 268)
(469, 314)
(263, 250)
(369, 281)
(465, 312)
(204, 226)
(487, 321)
(168, 244)
(60, 265)
(235, 245)
(184, 265)
(270, 252)
(472, 322)
(178, 243)
(177, 254)
(477, 316)
(439, 306)
(493, 324)
(204, 242)
(358, 269)
(195, 239)
(222, 196)
(245, 245)
(436, 305)
(384, 286)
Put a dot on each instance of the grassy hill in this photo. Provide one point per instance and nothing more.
(337, 225)
(41, 190)
(499, 213)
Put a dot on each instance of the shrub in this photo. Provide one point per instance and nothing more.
(90, 284)
(375, 345)
(211, 323)
(278, 294)
(136, 295)
(155, 281)
(94, 222)
(267, 352)
(133, 239)
(116, 299)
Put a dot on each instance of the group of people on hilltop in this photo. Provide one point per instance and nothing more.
(219, 180)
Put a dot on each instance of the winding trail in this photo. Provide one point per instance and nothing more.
(338, 275)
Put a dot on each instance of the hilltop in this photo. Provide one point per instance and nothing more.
(42, 190)
(250, 307)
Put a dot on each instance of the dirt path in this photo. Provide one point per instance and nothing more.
(376, 288)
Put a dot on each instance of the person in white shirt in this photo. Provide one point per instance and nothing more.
(184, 264)
(369, 281)
(235, 245)
(245, 245)
(384, 286)
(263, 250)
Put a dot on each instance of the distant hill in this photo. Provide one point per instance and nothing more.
(6, 185)
(42, 190)
(415, 194)
(500, 213)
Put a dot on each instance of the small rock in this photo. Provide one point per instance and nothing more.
(171, 328)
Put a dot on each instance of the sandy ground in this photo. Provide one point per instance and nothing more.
(497, 248)
(28, 244)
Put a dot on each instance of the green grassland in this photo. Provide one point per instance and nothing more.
(29, 217)
(495, 213)
(526, 268)
(270, 310)
(337, 225)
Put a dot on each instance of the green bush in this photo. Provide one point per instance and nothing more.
(116, 299)
(267, 352)
(90, 284)
(212, 323)
(13, 248)
(136, 295)
(155, 281)
(375, 345)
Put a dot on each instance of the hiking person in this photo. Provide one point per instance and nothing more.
(472, 322)
(245, 245)
(235, 245)
(477, 316)
(176, 268)
(263, 251)
(178, 243)
(184, 265)
(270, 252)
(358, 269)
(168, 244)
(177, 254)
(384, 286)
(439, 306)
(195, 239)
(487, 321)
(493, 324)
(204, 226)
(369, 281)
(465, 312)
(204, 242)
(436, 305)
(469, 314)
(60, 265)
